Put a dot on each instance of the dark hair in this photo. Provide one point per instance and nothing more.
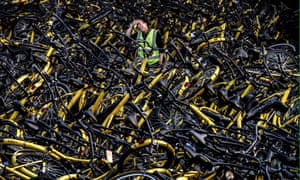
(145, 19)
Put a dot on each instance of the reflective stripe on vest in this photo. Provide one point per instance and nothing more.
(147, 45)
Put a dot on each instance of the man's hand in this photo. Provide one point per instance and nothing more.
(132, 25)
(136, 22)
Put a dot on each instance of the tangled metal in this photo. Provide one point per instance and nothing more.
(76, 104)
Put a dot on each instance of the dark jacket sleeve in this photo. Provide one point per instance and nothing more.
(129, 39)
(159, 42)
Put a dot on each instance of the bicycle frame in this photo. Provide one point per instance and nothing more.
(21, 170)
(47, 69)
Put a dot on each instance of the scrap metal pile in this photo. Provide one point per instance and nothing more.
(75, 103)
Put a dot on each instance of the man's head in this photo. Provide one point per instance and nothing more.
(142, 25)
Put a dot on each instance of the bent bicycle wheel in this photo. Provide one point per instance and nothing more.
(147, 155)
(37, 163)
(10, 129)
(135, 175)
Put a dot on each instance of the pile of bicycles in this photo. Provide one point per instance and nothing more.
(75, 103)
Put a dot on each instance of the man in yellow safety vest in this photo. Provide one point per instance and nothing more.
(150, 42)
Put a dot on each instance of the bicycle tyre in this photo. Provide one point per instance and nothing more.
(45, 94)
(135, 175)
(48, 166)
(50, 101)
(10, 129)
(143, 156)
(280, 62)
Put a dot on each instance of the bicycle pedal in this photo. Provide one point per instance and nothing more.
(236, 101)
(40, 57)
(132, 119)
(198, 137)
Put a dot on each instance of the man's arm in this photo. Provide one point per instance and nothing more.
(129, 36)
(129, 30)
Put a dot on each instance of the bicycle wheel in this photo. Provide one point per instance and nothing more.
(147, 155)
(10, 129)
(50, 100)
(38, 164)
(47, 94)
(135, 175)
(70, 142)
(23, 27)
(279, 62)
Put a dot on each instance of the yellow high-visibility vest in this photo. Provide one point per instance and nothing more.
(147, 47)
